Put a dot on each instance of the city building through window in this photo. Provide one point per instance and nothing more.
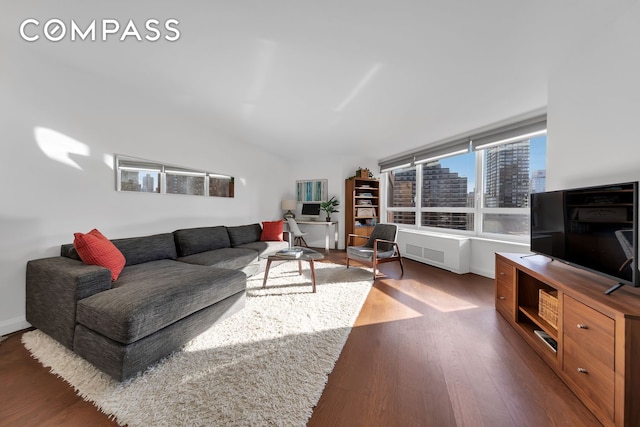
(481, 190)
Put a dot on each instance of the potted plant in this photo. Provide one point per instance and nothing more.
(329, 207)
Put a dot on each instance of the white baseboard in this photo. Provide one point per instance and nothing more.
(490, 273)
(13, 325)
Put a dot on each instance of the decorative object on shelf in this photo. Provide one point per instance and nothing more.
(362, 173)
(364, 212)
(314, 190)
(289, 206)
(548, 306)
(329, 207)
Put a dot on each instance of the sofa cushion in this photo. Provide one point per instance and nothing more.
(95, 249)
(138, 250)
(265, 248)
(150, 296)
(234, 258)
(195, 240)
(242, 234)
(272, 231)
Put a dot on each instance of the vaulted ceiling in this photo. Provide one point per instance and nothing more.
(347, 75)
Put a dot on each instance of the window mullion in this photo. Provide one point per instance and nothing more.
(418, 196)
(479, 196)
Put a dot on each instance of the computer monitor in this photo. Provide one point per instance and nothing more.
(311, 210)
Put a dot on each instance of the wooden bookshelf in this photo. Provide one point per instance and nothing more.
(362, 206)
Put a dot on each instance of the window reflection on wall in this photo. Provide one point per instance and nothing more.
(145, 176)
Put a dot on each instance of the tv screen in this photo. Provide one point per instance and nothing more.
(594, 228)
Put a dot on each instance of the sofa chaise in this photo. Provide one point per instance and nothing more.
(173, 287)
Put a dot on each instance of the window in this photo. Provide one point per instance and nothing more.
(401, 195)
(512, 172)
(448, 193)
(138, 175)
(482, 189)
(146, 176)
(184, 181)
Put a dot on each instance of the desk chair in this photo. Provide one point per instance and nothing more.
(380, 247)
(298, 235)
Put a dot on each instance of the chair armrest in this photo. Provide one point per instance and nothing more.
(53, 288)
(385, 241)
(376, 242)
(350, 237)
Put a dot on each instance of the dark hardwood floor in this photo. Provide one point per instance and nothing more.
(428, 349)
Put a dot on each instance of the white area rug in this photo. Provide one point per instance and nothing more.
(265, 365)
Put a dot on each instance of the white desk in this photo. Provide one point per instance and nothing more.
(327, 225)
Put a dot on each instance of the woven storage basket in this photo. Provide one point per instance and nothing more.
(548, 306)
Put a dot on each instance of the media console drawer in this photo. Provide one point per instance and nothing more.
(505, 288)
(591, 330)
(593, 378)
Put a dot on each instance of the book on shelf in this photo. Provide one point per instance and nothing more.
(546, 338)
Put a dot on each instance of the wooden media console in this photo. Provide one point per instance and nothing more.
(597, 336)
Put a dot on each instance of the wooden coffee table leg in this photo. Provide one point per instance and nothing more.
(266, 273)
(300, 267)
(313, 275)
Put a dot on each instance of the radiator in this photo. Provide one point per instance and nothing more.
(451, 253)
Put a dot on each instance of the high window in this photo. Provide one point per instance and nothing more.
(146, 176)
(479, 186)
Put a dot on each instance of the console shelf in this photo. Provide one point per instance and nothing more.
(596, 338)
(532, 313)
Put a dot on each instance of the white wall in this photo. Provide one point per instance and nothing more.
(592, 114)
(44, 201)
(594, 106)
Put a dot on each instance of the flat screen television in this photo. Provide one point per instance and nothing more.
(593, 228)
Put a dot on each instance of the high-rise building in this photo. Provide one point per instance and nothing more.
(440, 188)
(507, 176)
(148, 184)
(538, 180)
(129, 180)
(444, 189)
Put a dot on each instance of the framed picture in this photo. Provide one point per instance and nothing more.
(314, 190)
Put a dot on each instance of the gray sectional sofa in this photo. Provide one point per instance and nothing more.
(174, 286)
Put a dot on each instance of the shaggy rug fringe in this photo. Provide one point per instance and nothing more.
(266, 365)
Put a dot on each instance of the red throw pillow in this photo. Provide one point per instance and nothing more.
(272, 230)
(95, 249)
